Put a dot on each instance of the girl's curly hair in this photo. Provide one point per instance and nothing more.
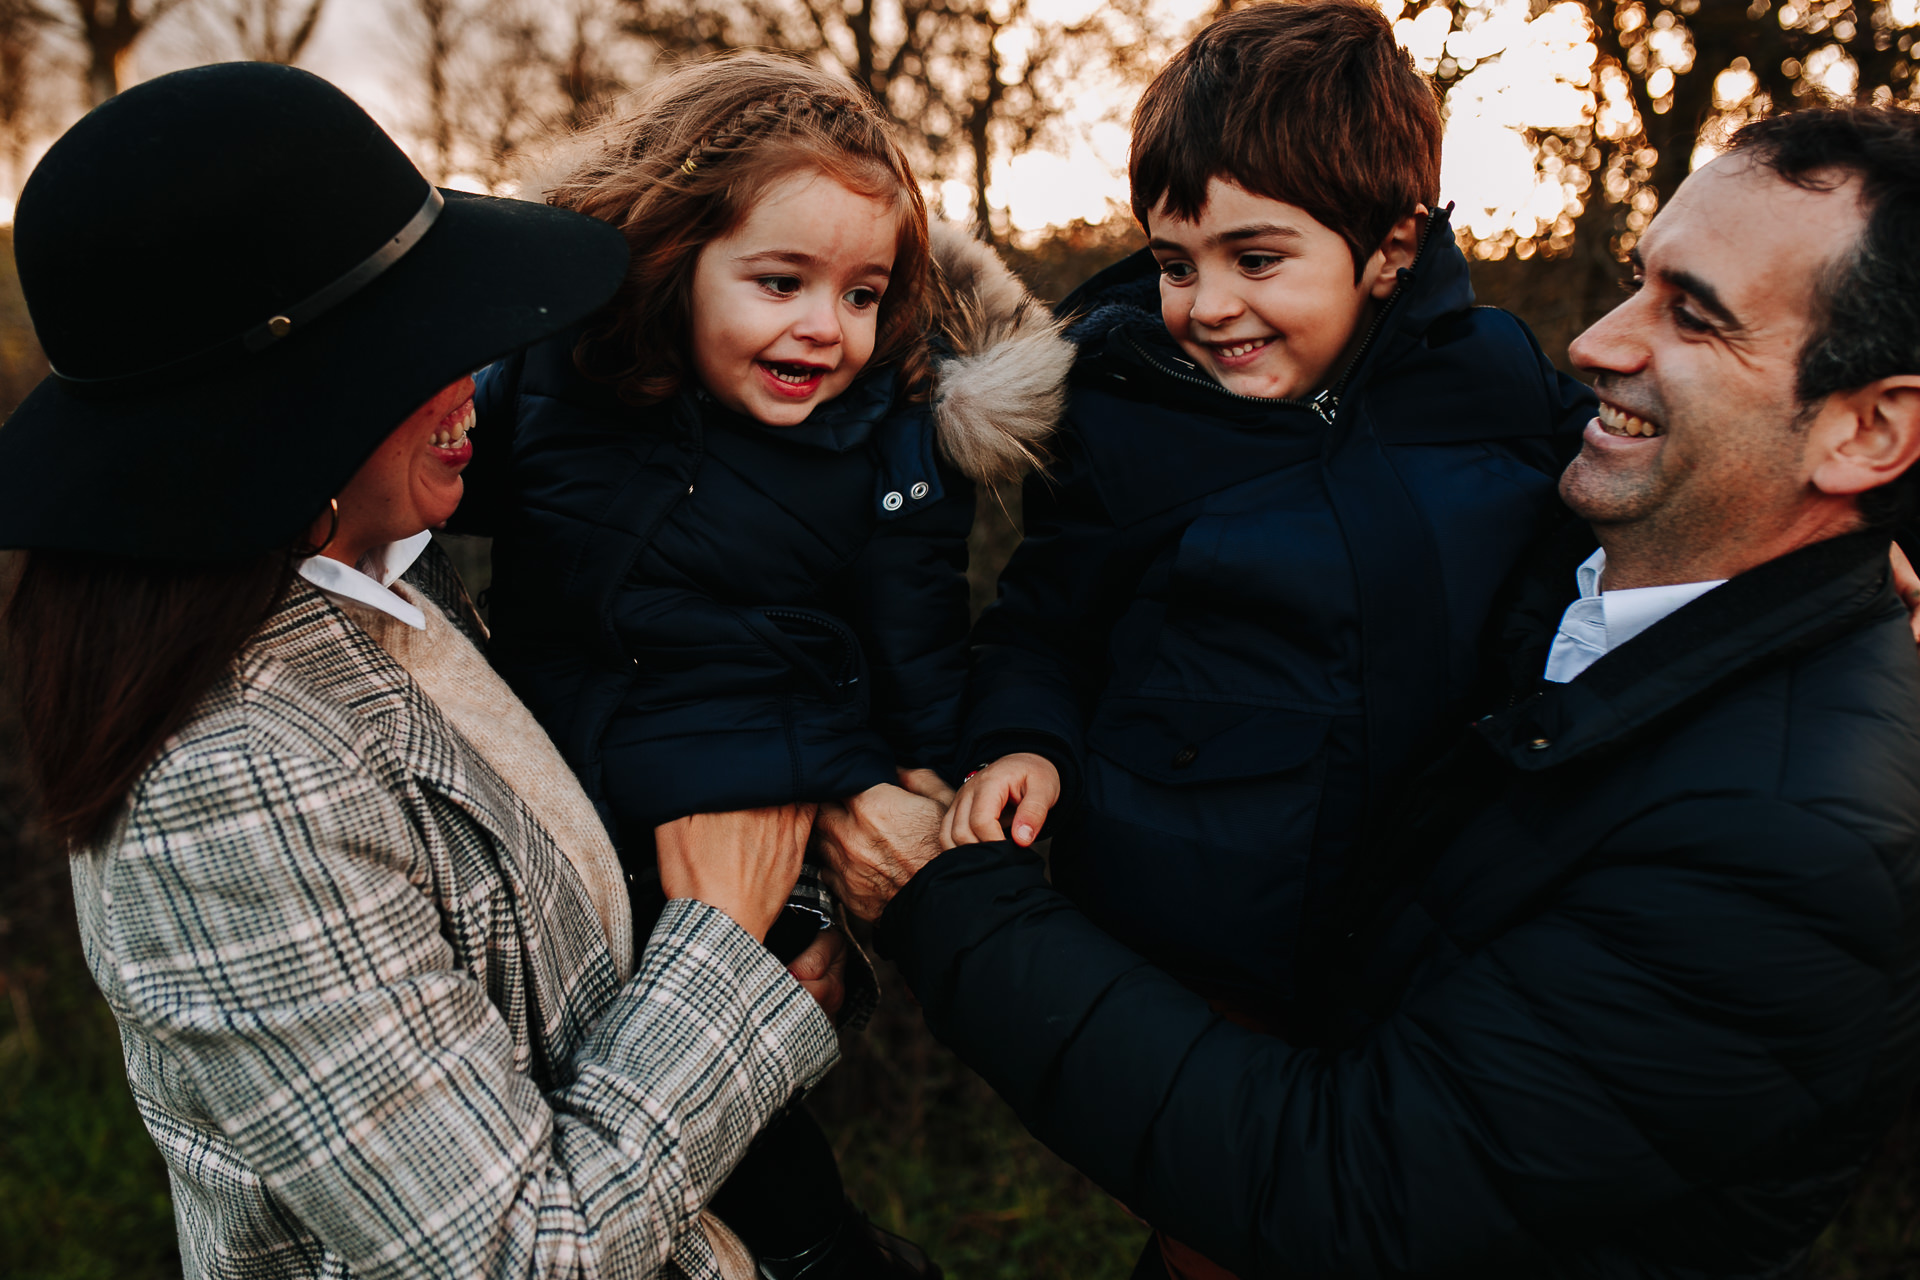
(684, 166)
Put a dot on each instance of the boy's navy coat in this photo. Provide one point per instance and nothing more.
(708, 614)
(1234, 621)
(1648, 995)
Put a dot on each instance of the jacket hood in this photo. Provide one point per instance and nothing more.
(1000, 375)
(1127, 295)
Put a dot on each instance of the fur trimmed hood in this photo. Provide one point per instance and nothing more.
(1000, 383)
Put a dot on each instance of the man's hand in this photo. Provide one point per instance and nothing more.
(1907, 583)
(1024, 777)
(744, 863)
(874, 843)
(822, 970)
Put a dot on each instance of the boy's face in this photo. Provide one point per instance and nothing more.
(1262, 295)
(786, 307)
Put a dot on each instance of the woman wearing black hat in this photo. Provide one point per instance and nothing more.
(364, 936)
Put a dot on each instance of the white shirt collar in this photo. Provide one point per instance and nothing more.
(1601, 621)
(368, 583)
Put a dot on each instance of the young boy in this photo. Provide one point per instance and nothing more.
(1297, 464)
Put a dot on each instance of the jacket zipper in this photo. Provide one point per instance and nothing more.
(1326, 403)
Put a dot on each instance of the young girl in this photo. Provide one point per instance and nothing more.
(730, 529)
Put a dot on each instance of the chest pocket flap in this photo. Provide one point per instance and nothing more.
(1179, 743)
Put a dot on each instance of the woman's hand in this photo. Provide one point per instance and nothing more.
(1024, 777)
(744, 863)
(822, 970)
(874, 843)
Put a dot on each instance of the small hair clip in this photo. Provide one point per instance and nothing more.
(688, 165)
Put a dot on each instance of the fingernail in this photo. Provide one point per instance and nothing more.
(1022, 832)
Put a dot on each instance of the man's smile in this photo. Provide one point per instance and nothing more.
(1616, 421)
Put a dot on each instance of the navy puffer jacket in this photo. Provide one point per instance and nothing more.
(1646, 995)
(1234, 621)
(708, 614)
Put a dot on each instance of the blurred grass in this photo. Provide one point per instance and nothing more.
(926, 1147)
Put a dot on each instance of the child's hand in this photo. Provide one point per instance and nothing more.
(1024, 777)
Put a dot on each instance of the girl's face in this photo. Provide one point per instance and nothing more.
(786, 306)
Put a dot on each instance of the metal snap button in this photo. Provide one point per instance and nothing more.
(1185, 756)
(920, 490)
(1539, 744)
(893, 501)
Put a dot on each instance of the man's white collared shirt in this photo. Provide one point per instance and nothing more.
(368, 584)
(1600, 621)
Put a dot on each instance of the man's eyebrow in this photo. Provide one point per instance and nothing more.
(798, 258)
(1703, 293)
(1694, 287)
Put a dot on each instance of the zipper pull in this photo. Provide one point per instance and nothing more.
(1326, 404)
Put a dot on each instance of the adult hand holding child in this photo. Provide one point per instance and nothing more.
(745, 863)
(876, 841)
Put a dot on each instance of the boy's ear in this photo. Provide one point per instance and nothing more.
(1398, 250)
(1868, 437)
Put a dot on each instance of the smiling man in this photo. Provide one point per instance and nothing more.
(1630, 983)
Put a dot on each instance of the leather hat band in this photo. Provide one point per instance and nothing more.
(277, 327)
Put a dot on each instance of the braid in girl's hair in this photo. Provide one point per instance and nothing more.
(784, 111)
(686, 164)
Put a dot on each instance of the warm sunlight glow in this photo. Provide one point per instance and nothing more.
(1513, 72)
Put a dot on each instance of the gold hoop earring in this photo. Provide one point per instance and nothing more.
(333, 531)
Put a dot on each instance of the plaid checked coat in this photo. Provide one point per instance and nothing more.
(368, 1012)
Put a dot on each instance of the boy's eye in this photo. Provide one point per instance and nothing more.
(861, 299)
(1254, 263)
(785, 286)
(1177, 272)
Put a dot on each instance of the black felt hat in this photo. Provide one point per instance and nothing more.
(243, 286)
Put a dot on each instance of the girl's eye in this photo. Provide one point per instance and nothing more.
(1631, 284)
(1177, 272)
(861, 299)
(1255, 263)
(784, 286)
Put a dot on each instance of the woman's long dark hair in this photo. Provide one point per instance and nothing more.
(108, 656)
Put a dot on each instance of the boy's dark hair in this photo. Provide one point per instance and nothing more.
(1867, 307)
(1309, 102)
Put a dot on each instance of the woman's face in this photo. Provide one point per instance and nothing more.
(412, 481)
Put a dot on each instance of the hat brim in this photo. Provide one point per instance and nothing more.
(242, 458)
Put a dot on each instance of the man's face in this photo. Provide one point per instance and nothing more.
(1259, 292)
(1699, 439)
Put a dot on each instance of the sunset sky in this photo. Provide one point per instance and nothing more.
(1522, 71)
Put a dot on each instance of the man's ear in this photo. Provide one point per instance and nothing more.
(1398, 250)
(1868, 437)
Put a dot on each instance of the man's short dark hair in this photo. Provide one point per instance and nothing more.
(1309, 102)
(1867, 306)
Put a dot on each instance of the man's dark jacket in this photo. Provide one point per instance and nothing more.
(1235, 621)
(1652, 995)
